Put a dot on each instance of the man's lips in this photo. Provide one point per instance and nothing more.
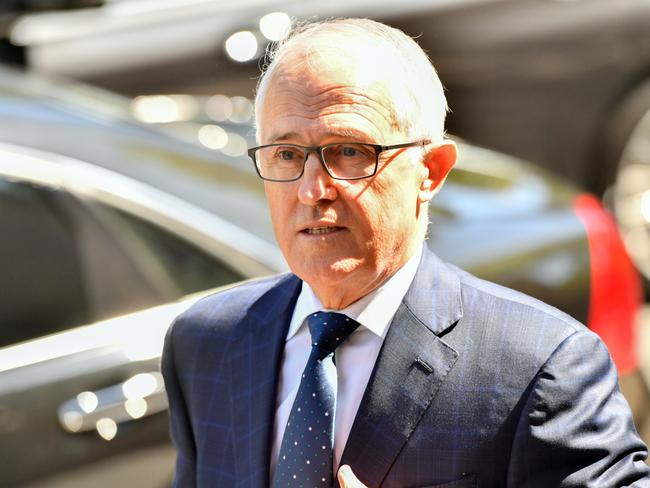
(321, 230)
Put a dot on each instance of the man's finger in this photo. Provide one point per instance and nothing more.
(347, 479)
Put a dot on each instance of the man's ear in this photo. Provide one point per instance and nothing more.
(438, 163)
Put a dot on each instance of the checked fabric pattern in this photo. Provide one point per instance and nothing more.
(306, 451)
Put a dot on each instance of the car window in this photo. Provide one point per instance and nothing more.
(168, 256)
(67, 262)
(41, 290)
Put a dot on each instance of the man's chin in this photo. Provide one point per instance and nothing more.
(319, 269)
(347, 265)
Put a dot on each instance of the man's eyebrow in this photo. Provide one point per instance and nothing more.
(283, 137)
(350, 134)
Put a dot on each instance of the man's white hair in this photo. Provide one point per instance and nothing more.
(419, 104)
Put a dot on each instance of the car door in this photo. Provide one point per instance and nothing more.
(83, 404)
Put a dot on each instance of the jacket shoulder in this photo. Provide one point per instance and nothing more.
(221, 312)
(518, 325)
(507, 298)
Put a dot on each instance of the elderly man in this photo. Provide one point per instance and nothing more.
(373, 355)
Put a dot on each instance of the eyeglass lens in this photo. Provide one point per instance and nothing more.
(285, 162)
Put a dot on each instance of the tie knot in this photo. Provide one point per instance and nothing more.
(329, 329)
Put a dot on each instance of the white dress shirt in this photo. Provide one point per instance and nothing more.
(355, 358)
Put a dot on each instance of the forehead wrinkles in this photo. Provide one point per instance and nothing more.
(311, 99)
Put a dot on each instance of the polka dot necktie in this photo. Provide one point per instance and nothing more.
(306, 452)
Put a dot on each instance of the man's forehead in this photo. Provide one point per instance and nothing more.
(328, 111)
(327, 86)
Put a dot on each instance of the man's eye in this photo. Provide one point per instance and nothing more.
(286, 154)
(349, 151)
(356, 152)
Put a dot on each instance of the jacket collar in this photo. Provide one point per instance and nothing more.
(434, 297)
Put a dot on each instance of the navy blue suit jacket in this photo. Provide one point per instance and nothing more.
(475, 386)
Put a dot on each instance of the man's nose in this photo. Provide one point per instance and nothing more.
(316, 184)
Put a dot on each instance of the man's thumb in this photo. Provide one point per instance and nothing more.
(347, 479)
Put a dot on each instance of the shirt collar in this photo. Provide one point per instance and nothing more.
(373, 311)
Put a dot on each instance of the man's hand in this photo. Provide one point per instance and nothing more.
(347, 479)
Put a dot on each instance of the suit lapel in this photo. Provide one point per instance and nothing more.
(256, 359)
(411, 367)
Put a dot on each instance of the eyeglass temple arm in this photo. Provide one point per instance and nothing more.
(423, 142)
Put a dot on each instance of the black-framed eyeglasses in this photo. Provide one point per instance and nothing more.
(341, 160)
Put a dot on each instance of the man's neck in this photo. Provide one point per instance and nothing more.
(339, 296)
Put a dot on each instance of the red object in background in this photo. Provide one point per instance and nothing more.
(615, 296)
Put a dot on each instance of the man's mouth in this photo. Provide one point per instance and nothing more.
(318, 231)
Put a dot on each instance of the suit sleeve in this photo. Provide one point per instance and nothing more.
(180, 427)
(576, 429)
